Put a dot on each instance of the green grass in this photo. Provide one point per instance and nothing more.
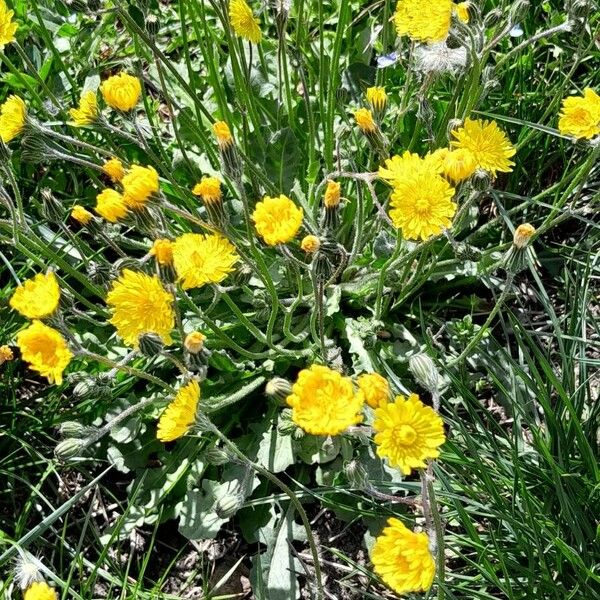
(517, 484)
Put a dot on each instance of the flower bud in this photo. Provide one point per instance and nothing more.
(522, 235)
(216, 456)
(356, 474)
(6, 354)
(310, 244)
(74, 429)
(384, 245)
(52, 209)
(194, 342)
(228, 505)
(453, 125)
(150, 344)
(278, 389)
(98, 274)
(424, 371)
(152, 25)
(69, 448)
(481, 180)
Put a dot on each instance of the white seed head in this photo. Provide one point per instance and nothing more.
(439, 58)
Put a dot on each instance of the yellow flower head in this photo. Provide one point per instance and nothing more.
(13, 114)
(114, 169)
(6, 354)
(488, 143)
(523, 234)
(162, 250)
(45, 350)
(461, 10)
(407, 433)
(459, 164)
(38, 297)
(375, 389)
(139, 184)
(81, 214)
(310, 244)
(201, 259)
(323, 401)
(110, 205)
(377, 97)
(121, 91)
(140, 304)
(194, 342)
(209, 189)
(87, 111)
(333, 194)
(364, 120)
(180, 414)
(421, 202)
(398, 168)
(424, 21)
(8, 27)
(39, 590)
(580, 116)
(223, 134)
(402, 558)
(277, 220)
(243, 21)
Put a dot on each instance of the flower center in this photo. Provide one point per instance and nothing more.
(422, 205)
(406, 435)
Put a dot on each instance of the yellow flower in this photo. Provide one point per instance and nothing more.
(407, 433)
(277, 220)
(421, 203)
(162, 250)
(114, 169)
(6, 354)
(139, 184)
(121, 91)
(180, 414)
(45, 350)
(223, 134)
(402, 558)
(38, 297)
(209, 189)
(523, 234)
(377, 97)
(310, 244)
(364, 120)
(243, 21)
(110, 205)
(139, 304)
(201, 259)
(461, 10)
(333, 194)
(424, 21)
(81, 214)
(375, 389)
(323, 401)
(87, 112)
(39, 590)
(398, 168)
(13, 114)
(459, 164)
(194, 342)
(488, 143)
(8, 27)
(580, 116)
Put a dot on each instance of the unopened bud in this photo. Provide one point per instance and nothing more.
(453, 125)
(522, 235)
(74, 429)
(194, 342)
(424, 371)
(279, 389)
(6, 354)
(310, 244)
(228, 505)
(151, 344)
(216, 456)
(384, 245)
(356, 474)
(52, 209)
(481, 180)
(69, 448)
